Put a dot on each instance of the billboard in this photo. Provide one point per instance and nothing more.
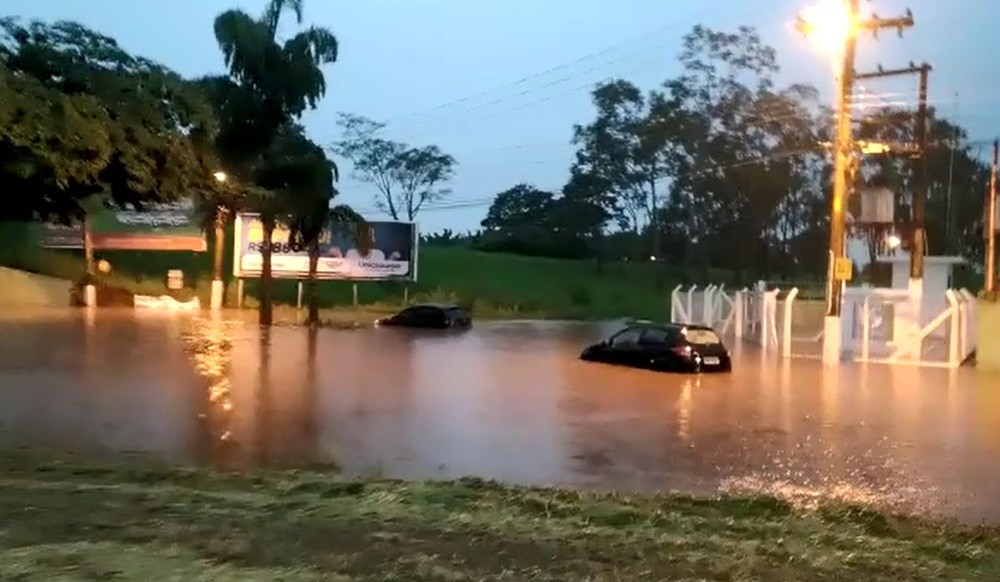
(157, 227)
(392, 256)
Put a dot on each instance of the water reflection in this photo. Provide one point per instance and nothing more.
(508, 401)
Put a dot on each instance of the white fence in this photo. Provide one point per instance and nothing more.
(746, 314)
(873, 323)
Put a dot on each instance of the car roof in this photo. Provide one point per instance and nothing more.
(443, 306)
(644, 324)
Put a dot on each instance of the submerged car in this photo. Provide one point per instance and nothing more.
(668, 347)
(430, 315)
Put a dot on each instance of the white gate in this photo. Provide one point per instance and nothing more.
(871, 330)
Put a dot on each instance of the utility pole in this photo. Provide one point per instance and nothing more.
(991, 223)
(843, 152)
(918, 234)
(919, 247)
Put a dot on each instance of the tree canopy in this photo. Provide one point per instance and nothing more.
(406, 177)
(719, 165)
(79, 116)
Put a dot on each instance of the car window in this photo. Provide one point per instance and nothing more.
(629, 336)
(701, 337)
(409, 313)
(456, 312)
(655, 336)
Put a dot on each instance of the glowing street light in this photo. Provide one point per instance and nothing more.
(220, 177)
(893, 241)
(828, 25)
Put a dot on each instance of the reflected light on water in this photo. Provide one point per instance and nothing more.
(684, 405)
(209, 344)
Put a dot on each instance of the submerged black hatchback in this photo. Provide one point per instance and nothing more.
(430, 315)
(668, 347)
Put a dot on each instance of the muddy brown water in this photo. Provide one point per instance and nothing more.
(509, 401)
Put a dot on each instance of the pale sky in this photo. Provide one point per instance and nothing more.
(499, 83)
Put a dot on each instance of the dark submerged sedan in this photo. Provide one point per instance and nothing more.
(667, 347)
(430, 316)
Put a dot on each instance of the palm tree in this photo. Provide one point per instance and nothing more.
(270, 84)
(308, 178)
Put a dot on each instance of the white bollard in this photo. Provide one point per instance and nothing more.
(217, 296)
(90, 296)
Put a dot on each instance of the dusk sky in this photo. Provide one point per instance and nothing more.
(499, 83)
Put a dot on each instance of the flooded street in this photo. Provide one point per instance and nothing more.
(509, 401)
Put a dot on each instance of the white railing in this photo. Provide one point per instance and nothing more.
(874, 332)
(747, 314)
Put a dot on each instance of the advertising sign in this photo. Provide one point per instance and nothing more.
(160, 227)
(393, 252)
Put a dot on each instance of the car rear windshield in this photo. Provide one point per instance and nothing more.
(701, 337)
(457, 312)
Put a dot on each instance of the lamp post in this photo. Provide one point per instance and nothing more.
(218, 287)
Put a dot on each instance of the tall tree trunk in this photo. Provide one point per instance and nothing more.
(220, 243)
(312, 319)
(266, 310)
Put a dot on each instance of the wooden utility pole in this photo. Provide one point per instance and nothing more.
(919, 245)
(843, 151)
(991, 223)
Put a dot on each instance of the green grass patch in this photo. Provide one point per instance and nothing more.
(66, 519)
(493, 285)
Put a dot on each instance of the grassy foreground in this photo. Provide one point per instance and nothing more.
(494, 285)
(68, 520)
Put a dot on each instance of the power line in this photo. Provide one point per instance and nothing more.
(486, 200)
(546, 72)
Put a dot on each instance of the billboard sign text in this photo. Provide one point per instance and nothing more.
(157, 227)
(392, 253)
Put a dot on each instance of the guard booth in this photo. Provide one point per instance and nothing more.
(928, 296)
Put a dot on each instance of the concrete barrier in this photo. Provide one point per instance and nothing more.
(24, 289)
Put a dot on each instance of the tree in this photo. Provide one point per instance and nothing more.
(85, 118)
(300, 168)
(611, 147)
(406, 177)
(529, 221)
(741, 155)
(270, 85)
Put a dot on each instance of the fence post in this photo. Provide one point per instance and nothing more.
(674, 301)
(690, 304)
(706, 305)
(738, 314)
(866, 328)
(762, 317)
(786, 327)
(717, 310)
(953, 345)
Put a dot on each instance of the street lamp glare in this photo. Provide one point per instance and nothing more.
(220, 176)
(828, 24)
(893, 241)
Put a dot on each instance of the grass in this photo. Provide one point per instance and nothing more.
(65, 519)
(493, 285)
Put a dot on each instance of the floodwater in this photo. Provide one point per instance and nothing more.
(508, 401)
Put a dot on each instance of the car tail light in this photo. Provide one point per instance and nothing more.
(683, 351)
